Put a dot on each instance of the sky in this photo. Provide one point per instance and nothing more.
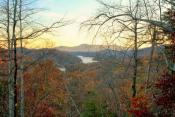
(76, 11)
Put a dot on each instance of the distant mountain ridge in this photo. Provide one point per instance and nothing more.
(106, 53)
(88, 48)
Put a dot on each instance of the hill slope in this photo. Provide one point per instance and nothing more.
(61, 58)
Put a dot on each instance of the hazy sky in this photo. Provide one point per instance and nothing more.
(74, 10)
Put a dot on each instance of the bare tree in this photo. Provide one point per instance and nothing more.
(122, 20)
(18, 28)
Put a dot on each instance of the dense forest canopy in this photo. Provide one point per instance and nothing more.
(129, 74)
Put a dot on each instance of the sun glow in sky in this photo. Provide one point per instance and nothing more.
(75, 11)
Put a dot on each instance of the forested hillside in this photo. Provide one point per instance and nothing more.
(55, 55)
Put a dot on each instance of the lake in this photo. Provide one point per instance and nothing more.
(63, 69)
(87, 60)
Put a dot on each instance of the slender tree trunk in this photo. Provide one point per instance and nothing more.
(72, 100)
(153, 42)
(15, 76)
(11, 103)
(135, 61)
(21, 64)
(117, 110)
(15, 56)
(134, 88)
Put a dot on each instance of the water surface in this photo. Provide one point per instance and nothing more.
(86, 60)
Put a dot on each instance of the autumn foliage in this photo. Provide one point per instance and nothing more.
(140, 107)
(165, 98)
(44, 90)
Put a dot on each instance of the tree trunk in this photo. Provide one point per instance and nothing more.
(21, 64)
(15, 57)
(11, 103)
(135, 62)
(134, 89)
(153, 42)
